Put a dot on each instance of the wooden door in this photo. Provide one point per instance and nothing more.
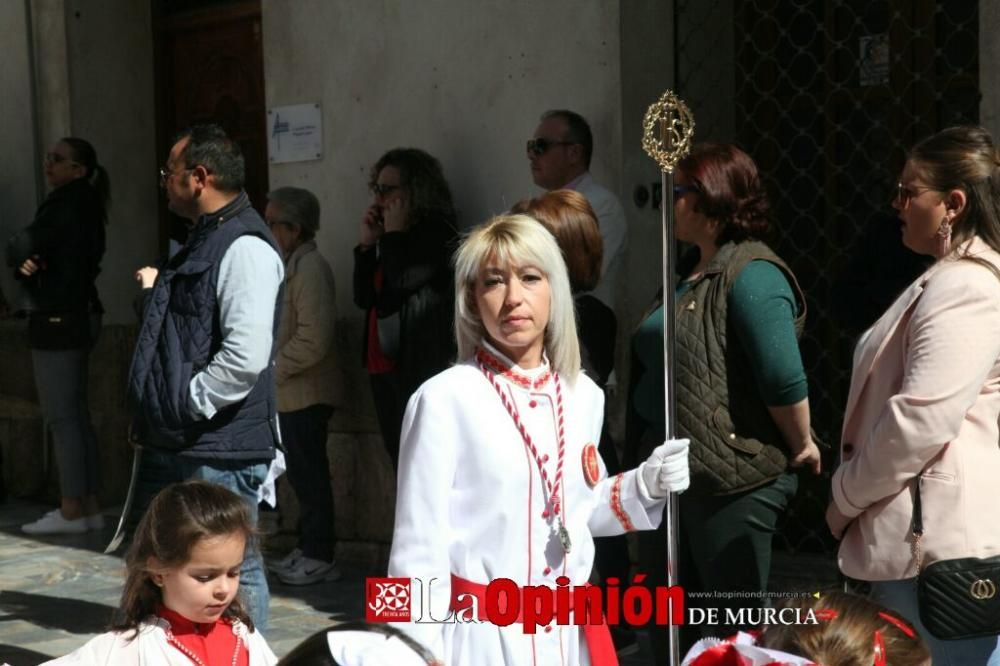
(209, 68)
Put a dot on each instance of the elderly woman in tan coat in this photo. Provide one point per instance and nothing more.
(306, 378)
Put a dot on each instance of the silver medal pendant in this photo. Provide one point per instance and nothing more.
(564, 537)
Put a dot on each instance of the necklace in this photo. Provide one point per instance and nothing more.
(195, 658)
(552, 485)
(500, 368)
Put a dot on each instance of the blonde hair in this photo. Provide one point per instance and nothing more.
(517, 240)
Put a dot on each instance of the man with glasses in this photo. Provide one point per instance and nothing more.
(560, 155)
(201, 383)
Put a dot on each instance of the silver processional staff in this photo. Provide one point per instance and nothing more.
(667, 130)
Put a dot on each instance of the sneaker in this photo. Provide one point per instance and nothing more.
(54, 523)
(307, 571)
(285, 563)
(95, 522)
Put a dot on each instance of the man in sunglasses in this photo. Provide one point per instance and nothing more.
(560, 160)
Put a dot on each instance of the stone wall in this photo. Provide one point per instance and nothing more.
(362, 476)
(29, 466)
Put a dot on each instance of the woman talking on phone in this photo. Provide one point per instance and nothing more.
(403, 279)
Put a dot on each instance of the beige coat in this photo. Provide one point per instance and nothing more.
(307, 372)
(925, 397)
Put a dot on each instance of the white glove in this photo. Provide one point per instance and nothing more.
(666, 470)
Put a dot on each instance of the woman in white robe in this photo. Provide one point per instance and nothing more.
(482, 494)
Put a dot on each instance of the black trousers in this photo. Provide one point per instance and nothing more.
(303, 432)
(390, 405)
(724, 546)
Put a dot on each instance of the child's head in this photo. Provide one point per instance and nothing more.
(852, 631)
(186, 555)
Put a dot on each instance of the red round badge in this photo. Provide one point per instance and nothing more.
(591, 469)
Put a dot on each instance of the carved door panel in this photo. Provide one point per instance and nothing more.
(210, 70)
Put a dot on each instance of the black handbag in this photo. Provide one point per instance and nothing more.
(958, 598)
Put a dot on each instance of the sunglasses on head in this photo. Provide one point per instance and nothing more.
(540, 146)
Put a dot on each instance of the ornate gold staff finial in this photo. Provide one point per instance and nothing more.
(675, 124)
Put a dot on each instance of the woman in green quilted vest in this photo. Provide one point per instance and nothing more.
(742, 395)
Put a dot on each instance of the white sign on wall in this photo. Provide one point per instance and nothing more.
(294, 133)
(874, 60)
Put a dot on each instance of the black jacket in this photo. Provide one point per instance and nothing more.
(67, 235)
(418, 286)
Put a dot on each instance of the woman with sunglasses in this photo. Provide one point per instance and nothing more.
(742, 395)
(924, 401)
(402, 279)
(57, 258)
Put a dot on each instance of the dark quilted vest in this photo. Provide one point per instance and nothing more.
(179, 336)
(735, 445)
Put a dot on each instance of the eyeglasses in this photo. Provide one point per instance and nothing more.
(380, 190)
(904, 194)
(166, 173)
(272, 223)
(540, 146)
(56, 158)
(681, 190)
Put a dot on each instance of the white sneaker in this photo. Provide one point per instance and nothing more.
(285, 563)
(54, 523)
(95, 522)
(307, 571)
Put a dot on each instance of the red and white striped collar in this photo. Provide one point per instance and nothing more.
(496, 362)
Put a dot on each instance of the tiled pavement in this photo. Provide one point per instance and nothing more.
(57, 592)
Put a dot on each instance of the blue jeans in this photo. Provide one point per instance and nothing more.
(901, 596)
(159, 469)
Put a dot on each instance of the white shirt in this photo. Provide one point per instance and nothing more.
(150, 648)
(614, 233)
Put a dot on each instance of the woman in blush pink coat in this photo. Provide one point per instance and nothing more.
(925, 390)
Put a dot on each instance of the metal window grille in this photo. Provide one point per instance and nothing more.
(826, 96)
